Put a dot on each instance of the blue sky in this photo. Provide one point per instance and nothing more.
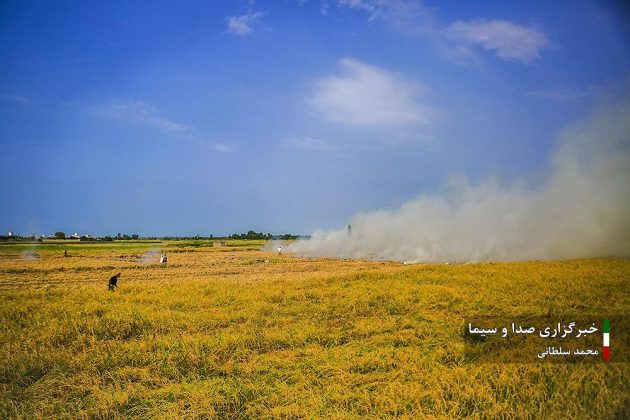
(166, 118)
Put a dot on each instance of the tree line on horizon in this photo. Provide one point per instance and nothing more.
(251, 234)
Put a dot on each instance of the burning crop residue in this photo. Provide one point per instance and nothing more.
(581, 209)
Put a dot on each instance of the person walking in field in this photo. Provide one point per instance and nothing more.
(113, 282)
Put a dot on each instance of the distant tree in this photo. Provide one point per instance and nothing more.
(135, 236)
(250, 235)
(60, 235)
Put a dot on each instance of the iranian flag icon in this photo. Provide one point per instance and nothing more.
(606, 348)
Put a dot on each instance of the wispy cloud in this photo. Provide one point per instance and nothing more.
(308, 143)
(407, 15)
(507, 40)
(373, 7)
(137, 112)
(601, 91)
(367, 95)
(458, 41)
(572, 94)
(323, 9)
(223, 147)
(80, 60)
(147, 115)
(10, 97)
(245, 24)
(568, 94)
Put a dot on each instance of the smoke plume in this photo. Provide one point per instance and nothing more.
(150, 257)
(580, 209)
(273, 245)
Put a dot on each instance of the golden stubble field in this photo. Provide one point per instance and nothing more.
(233, 332)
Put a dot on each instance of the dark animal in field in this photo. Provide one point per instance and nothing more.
(113, 282)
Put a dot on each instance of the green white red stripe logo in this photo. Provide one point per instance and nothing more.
(606, 347)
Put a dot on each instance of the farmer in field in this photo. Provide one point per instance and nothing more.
(163, 259)
(113, 282)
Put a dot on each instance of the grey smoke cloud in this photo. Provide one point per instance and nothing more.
(581, 209)
(151, 256)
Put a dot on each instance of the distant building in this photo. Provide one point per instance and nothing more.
(10, 234)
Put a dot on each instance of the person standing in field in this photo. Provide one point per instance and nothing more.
(113, 282)
(163, 259)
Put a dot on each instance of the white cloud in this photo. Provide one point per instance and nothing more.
(457, 41)
(309, 143)
(367, 95)
(506, 39)
(245, 24)
(137, 112)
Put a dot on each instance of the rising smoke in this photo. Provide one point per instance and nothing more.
(150, 257)
(581, 209)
